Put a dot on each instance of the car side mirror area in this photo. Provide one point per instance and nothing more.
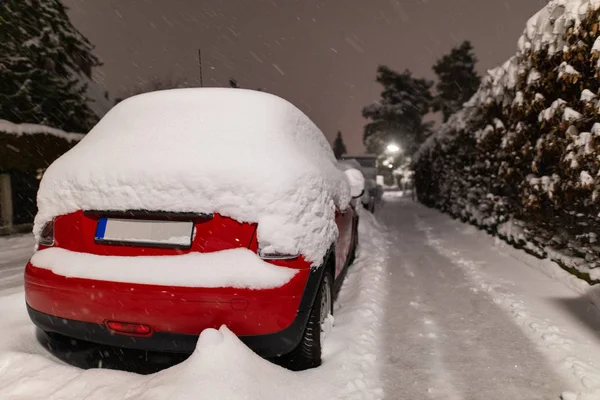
(356, 181)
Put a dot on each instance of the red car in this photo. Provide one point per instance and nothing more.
(130, 271)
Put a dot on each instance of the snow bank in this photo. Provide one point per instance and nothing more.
(222, 367)
(33, 129)
(238, 268)
(244, 154)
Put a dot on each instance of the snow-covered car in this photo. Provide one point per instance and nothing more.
(367, 164)
(190, 209)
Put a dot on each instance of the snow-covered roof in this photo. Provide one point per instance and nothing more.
(33, 129)
(244, 154)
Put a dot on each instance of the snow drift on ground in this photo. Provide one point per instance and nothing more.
(238, 268)
(222, 367)
(245, 154)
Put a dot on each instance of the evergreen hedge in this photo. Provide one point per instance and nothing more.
(522, 158)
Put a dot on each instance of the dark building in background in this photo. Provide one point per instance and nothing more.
(25, 152)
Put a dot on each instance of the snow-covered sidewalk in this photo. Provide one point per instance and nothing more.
(222, 367)
(471, 318)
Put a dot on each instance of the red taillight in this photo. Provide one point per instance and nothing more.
(273, 255)
(47, 234)
(129, 329)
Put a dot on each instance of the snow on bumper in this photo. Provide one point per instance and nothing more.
(236, 268)
(56, 286)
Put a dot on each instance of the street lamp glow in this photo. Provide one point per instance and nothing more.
(393, 148)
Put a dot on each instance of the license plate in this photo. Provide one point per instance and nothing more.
(151, 233)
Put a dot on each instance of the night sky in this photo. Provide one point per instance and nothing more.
(319, 54)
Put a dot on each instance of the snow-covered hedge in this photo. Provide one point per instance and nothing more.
(522, 158)
(29, 147)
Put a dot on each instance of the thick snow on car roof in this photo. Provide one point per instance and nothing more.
(244, 154)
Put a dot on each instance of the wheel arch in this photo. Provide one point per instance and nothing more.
(329, 263)
(316, 276)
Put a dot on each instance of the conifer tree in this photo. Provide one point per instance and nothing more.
(398, 115)
(339, 148)
(45, 66)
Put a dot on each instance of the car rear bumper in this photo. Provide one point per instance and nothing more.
(270, 321)
(269, 345)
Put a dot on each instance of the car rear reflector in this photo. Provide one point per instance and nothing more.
(47, 234)
(128, 328)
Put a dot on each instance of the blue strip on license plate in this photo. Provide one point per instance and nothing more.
(101, 228)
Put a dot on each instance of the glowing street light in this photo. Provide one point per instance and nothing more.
(393, 148)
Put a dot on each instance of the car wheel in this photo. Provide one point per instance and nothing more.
(354, 246)
(56, 341)
(308, 353)
(56, 337)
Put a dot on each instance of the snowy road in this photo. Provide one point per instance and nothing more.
(432, 309)
(14, 253)
(466, 319)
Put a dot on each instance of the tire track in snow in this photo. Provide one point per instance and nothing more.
(442, 387)
(11, 281)
(438, 378)
(549, 337)
(475, 346)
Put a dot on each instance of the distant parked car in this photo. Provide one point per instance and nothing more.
(367, 164)
(188, 209)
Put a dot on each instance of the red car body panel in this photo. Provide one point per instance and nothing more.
(163, 308)
(76, 232)
(168, 309)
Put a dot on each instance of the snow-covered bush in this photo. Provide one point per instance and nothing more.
(45, 67)
(525, 150)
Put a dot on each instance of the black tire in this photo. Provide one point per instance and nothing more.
(58, 340)
(54, 337)
(354, 244)
(308, 353)
(57, 343)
